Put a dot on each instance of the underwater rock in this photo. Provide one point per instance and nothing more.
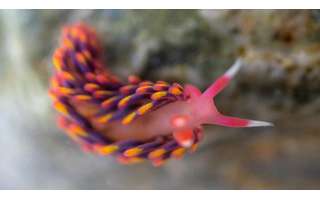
(279, 82)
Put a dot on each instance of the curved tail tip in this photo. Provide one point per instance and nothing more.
(254, 123)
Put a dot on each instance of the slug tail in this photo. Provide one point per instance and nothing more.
(81, 82)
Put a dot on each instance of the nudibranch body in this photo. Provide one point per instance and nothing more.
(133, 120)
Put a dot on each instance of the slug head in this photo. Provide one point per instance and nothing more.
(183, 124)
(202, 110)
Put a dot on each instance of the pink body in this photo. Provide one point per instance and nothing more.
(152, 124)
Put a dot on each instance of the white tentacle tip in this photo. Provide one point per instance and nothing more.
(234, 68)
(254, 123)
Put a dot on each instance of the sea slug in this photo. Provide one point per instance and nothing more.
(133, 120)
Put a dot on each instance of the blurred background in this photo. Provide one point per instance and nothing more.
(279, 82)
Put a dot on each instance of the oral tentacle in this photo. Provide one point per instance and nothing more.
(236, 122)
(223, 80)
(213, 116)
